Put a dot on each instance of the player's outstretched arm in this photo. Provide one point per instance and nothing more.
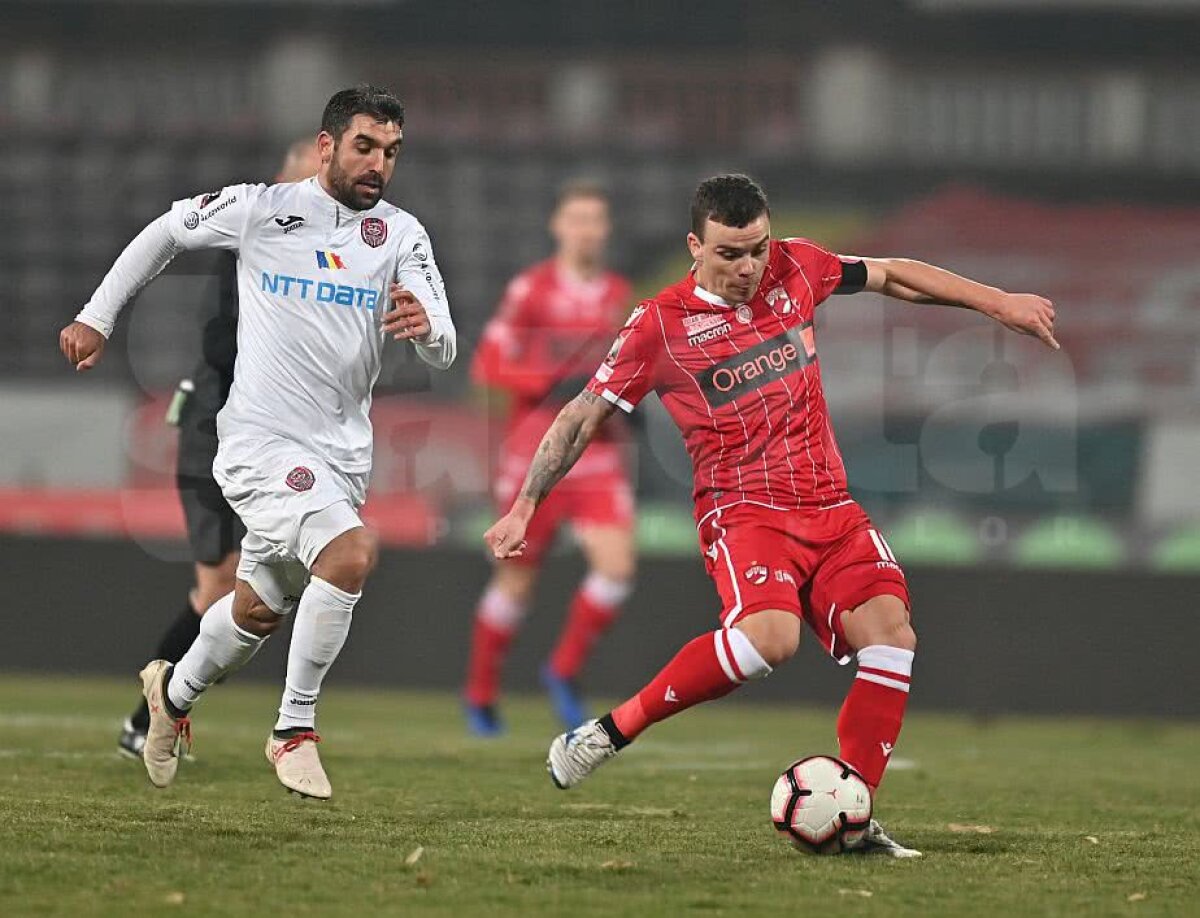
(917, 282)
(82, 342)
(560, 449)
(207, 221)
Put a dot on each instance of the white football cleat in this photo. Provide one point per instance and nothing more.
(576, 754)
(167, 736)
(878, 842)
(298, 765)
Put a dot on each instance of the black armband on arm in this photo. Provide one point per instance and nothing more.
(854, 277)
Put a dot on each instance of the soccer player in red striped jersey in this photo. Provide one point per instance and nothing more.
(730, 351)
(552, 327)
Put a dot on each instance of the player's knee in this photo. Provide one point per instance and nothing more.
(774, 634)
(895, 629)
(777, 648)
(617, 569)
(618, 564)
(905, 638)
(347, 560)
(610, 552)
(513, 582)
(366, 551)
(256, 618)
(882, 621)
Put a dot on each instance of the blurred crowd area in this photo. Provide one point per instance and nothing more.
(1052, 147)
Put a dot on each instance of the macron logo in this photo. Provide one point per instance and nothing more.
(887, 749)
(671, 696)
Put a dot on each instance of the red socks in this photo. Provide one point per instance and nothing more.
(495, 622)
(593, 610)
(713, 665)
(873, 712)
(707, 667)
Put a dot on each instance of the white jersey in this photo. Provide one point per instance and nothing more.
(313, 279)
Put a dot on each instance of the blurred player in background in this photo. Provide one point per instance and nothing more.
(553, 325)
(326, 270)
(214, 530)
(731, 352)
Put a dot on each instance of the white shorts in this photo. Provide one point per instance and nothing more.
(292, 503)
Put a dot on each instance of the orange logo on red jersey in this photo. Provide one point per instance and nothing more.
(765, 363)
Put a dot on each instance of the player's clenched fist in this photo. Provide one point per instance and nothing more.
(506, 538)
(406, 320)
(82, 345)
(1028, 314)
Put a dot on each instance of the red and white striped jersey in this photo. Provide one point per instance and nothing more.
(742, 383)
(543, 343)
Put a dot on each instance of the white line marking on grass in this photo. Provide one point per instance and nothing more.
(54, 754)
(729, 765)
(112, 725)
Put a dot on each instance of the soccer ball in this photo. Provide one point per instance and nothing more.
(821, 805)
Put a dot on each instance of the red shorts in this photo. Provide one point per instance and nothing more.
(813, 563)
(596, 492)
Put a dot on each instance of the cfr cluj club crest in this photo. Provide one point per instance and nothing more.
(374, 232)
(300, 478)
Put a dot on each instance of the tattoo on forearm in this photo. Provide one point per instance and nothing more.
(561, 448)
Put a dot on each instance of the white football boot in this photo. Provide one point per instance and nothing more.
(877, 842)
(298, 765)
(576, 754)
(167, 736)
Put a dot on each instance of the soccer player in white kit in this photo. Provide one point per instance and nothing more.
(326, 269)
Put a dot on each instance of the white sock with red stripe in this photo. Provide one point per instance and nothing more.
(873, 712)
(706, 668)
(496, 621)
(593, 611)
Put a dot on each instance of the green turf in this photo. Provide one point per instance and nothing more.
(1051, 817)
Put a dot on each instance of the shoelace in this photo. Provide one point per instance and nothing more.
(584, 748)
(293, 742)
(183, 734)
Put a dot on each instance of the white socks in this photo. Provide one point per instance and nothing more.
(500, 610)
(221, 647)
(604, 591)
(737, 656)
(883, 665)
(322, 623)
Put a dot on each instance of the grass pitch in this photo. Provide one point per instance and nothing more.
(1016, 817)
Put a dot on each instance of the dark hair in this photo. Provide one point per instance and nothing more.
(732, 199)
(363, 99)
(579, 188)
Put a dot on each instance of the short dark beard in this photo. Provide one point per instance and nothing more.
(342, 187)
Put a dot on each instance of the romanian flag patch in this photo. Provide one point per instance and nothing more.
(329, 260)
